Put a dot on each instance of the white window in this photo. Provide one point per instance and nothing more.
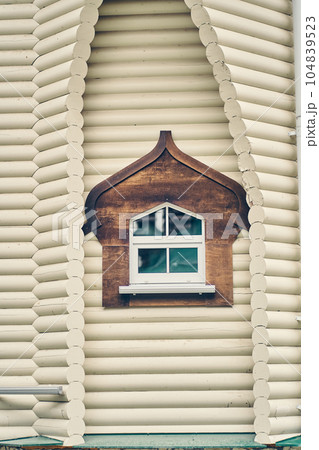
(167, 252)
(167, 245)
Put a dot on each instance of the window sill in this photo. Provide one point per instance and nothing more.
(167, 289)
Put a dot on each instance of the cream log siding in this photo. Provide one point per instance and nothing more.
(160, 369)
(147, 369)
(249, 45)
(64, 31)
(16, 217)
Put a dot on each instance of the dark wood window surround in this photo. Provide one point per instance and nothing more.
(166, 174)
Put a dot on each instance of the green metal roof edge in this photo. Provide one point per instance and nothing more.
(184, 440)
(139, 441)
(291, 442)
(31, 441)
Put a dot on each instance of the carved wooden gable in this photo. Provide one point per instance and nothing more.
(168, 180)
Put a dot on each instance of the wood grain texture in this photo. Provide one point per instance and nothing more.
(166, 175)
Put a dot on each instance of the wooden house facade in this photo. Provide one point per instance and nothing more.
(86, 87)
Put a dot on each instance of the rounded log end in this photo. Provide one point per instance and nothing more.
(261, 389)
(261, 371)
(263, 438)
(259, 318)
(74, 391)
(259, 300)
(258, 283)
(75, 355)
(260, 335)
(75, 321)
(75, 373)
(75, 408)
(207, 34)
(262, 406)
(232, 109)
(79, 66)
(75, 286)
(75, 269)
(75, 304)
(256, 214)
(76, 426)
(246, 162)
(76, 84)
(242, 145)
(257, 231)
(198, 13)
(82, 49)
(250, 178)
(74, 134)
(257, 265)
(74, 253)
(191, 3)
(237, 127)
(89, 15)
(73, 440)
(74, 338)
(74, 101)
(214, 53)
(257, 249)
(262, 424)
(221, 72)
(227, 91)
(260, 353)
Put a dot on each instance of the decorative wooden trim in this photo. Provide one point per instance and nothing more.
(166, 176)
(165, 142)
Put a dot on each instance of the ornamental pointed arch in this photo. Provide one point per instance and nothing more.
(164, 144)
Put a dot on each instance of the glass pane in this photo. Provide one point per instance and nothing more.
(182, 224)
(152, 260)
(183, 260)
(151, 225)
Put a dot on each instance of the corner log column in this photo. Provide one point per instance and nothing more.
(64, 33)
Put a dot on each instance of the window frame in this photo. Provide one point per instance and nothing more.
(167, 242)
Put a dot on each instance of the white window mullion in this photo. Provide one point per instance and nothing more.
(166, 242)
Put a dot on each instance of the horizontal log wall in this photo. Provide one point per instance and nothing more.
(249, 45)
(147, 72)
(16, 202)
